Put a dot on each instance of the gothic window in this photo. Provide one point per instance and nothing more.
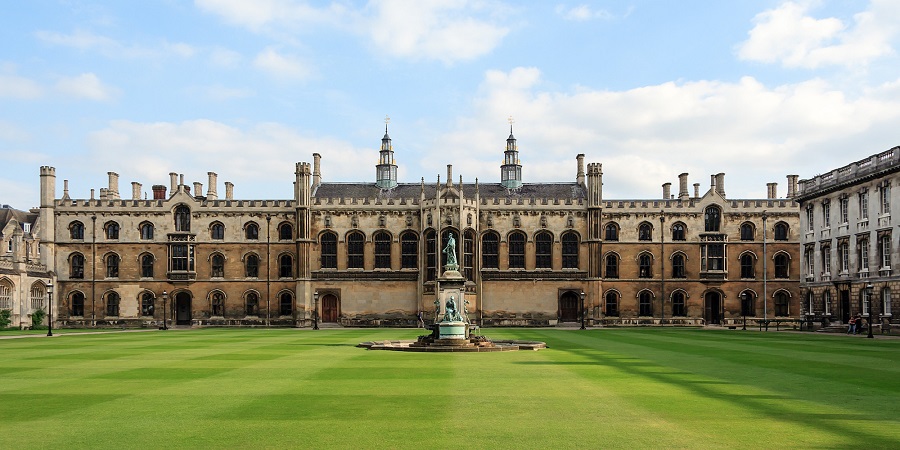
(251, 266)
(712, 256)
(678, 232)
(678, 266)
(746, 231)
(645, 232)
(469, 254)
(645, 304)
(251, 231)
(147, 266)
(76, 230)
(490, 244)
(382, 250)
(147, 304)
(38, 293)
(645, 265)
(678, 307)
(612, 266)
(517, 250)
(781, 265)
(355, 250)
(712, 217)
(112, 266)
(285, 232)
(218, 304)
(285, 266)
(409, 251)
(328, 250)
(612, 304)
(217, 266)
(748, 304)
(782, 302)
(781, 231)
(5, 295)
(611, 232)
(747, 263)
(217, 231)
(112, 304)
(146, 231)
(76, 266)
(430, 254)
(77, 304)
(569, 250)
(182, 219)
(182, 257)
(252, 304)
(112, 230)
(286, 304)
(543, 248)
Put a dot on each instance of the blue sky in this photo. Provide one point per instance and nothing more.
(650, 89)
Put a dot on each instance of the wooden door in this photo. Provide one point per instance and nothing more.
(713, 308)
(568, 307)
(330, 308)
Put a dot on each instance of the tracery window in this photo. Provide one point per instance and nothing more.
(182, 219)
(612, 266)
(490, 244)
(251, 231)
(112, 230)
(781, 231)
(612, 304)
(76, 230)
(146, 231)
(678, 232)
(76, 266)
(285, 266)
(147, 307)
(217, 231)
(252, 304)
(382, 250)
(112, 304)
(285, 232)
(712, 217)
(355, 250)
(781, 265)
(569, 250)
(645, 232)
(746, 231)
(328, 250)
(147, 266)
(112, 266)
(286, 304)
(517, 250)
(252, 266)
(611, 232)
(543, 248)
(409, 250)
(678, 266)
(217, 266)
(645, 266)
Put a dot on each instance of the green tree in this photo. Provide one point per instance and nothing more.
(5, 316)
(37, 318)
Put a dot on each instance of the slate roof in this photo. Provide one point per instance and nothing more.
(486, 190)
(7, 214)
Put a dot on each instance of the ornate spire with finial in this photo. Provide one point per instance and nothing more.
(386, 170)
(511, 170)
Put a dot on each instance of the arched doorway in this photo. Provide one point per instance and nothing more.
(568, 307)
(331, 308)
(713, 308)
(183, 308)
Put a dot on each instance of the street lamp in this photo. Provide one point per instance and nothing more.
(49, 309)
(316, 311)
(165, 296)
(869, 289)
(745, 303)
(583, 309)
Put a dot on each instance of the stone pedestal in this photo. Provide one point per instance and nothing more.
(453, 330)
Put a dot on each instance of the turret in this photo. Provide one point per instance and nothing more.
(46, 220)
(386, 170)
(511, 170)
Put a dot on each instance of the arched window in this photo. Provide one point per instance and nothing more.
(77, 304)
(678, 232)
(781, 231)
(252, 304)
(747, 231)
(430, 254)
(76, 266)
(382, 250)
(645, 232)
(112, 304)
(543, 250)
(112, 266)
(112, 230)
(218, 304)
(612, 304)
(748, 303)
(147, 266)
(217, 266)
(38, 294)
(286, 304)
(251, 231)
(612, 266)
(355, 250)
(147, 304)
(569, 250)
(76, 230)
(678, 307)
(5, 295)
(409, 250)
(285, 266)
(678, 266)
(517, 250)
(469, 254)
(146, 231)
(645, 266)
(645, 304)
(782, 304)
(611, 232)
(490, 244)
(712, 217)
(182, 218)
(781, 265)
(252, 266)
(747, 266)
(217, 231)
(328, 250)
(285, 232)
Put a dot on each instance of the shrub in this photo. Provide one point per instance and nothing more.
(37, 318)
(5, 318)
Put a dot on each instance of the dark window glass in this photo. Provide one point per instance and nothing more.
(612, 266)
(747, 304)
(490, 244)
(678, 232)
(147, 231)
(570, 250)
(217, 231)
(252, 266)
(469, 254)
(355, 248)
(285, 232)
(781, 266)
(147, 266)
(286, 305)
(218, 304)
(646, 304)
(252, 304)
(382, 250)
(612, 304)
(112, 266)
(182, 257)
(182, 219)
(285, 266)
(543, 248)
(112, 304)
(409, 251)
(678, 266)
(645, 266)
(747, 266)
(112, 230)
(78, 304)
(76, 230)
(712, 217)
(781, 231)
(781, 304)
(76, 268)
(612, 232)
(218, 266)
(746, 232)
(517, 251)
(645, 232)
(328, 243)
(678, 308)
(147, 304)
(251, 231)
(430, 254)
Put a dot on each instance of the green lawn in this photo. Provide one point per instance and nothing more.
(630, 388)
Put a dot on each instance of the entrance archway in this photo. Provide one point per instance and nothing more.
(331, 308)
(568, 307)
(713, 308)
(183, 308)
(845, 306)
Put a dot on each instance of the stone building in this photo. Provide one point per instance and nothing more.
(23, 276)
(370, 253)
(850, 252)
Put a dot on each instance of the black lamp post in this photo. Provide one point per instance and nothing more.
(583, 310)
(49, 309)
(165, 296)
(745, 302)
(869, 289)
(316, 311)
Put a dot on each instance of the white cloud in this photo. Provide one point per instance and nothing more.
(14, 86)
(281, 66)
(789, 35)
(582, 13)
(88, 41)
(87, 86)
(224, 93)
(224, 57)
(261, 15)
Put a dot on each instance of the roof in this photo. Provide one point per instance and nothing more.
(486, 190)
(8, 213)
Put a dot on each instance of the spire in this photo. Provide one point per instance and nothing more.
(511, 170)
(386, 170)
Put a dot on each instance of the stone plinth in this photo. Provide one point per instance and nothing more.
(452, 330)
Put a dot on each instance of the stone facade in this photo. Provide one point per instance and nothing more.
(23, 276)
(370, 253)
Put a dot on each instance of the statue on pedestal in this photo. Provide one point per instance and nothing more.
(450, 251)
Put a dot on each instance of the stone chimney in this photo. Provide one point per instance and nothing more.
(198, 189)
(712, 183)
(771, 190)
(579, 177)
(104, 194)
(696, 190)
(135, 190)
(92, 193)
(159, 192)
(65, 189)
(211, 189)
(792, 186)
(181, 182)
(317, 174)
(720, 183)
(449, 175)
(173, 182)
(113, 191)
(667, 189)
(229, 190)
(683, 187)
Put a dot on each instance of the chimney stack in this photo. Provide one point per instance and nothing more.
(579, 177)
(771, 190)
(198, 189)
(173, 182)
(113, 191)
(316, 175)
(211, 189)
(65, 189)
(229, 190)
(683, 187)
(159, 192)
(720, 183)
(696, 190)
(792, 186)
(135, 190)
(104, 194)
(667, 189)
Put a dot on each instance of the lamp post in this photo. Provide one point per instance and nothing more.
(49, 309)
(165, 296)
(744, 304)
(583, 309)
(869, 289)
(316, 311)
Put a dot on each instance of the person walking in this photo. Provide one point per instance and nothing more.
(852, 325)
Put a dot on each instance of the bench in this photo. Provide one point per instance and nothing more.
(778, 322)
